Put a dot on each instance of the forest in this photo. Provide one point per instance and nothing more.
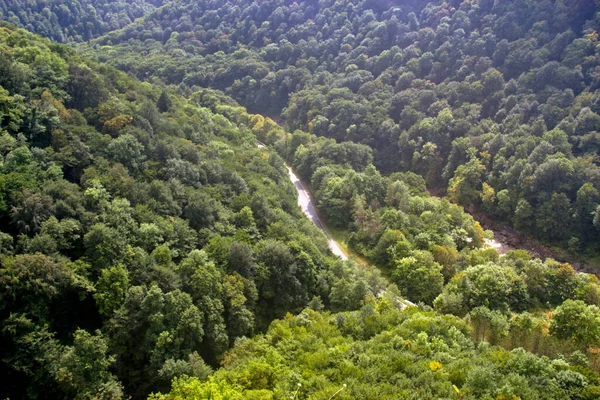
(493, 103)
(74, 21)
(150, 248)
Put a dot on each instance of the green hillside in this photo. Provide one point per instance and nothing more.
(141, 232)
(74, 21)
(381, 353)
(150, 248)
(494, 103)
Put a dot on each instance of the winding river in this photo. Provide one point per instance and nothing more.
(500, 242)
(306, 204)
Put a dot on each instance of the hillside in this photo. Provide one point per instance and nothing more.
(494, 103)
(150, 248)
(74, 21)
(380, 353)
(141, 232)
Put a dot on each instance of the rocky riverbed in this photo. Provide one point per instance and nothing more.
(507, 238)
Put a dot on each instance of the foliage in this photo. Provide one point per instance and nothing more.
(381, 352)
(109, 188)
(64, 21)
(500, 96)
(146, 237)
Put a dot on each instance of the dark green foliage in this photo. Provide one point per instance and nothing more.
(105, 203)
(164, 102)
(494, 102)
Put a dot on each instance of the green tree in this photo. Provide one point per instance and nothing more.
(490, 325)
(164, 102)
(554, 217)
(33, 283)
(111, 289)
(574, 320)
(278, 278)
(85, 87)
(31, 211)
(585, 207)
(104, 246)
(419, 277)
(464, 188)
(127, 150)
(493, 286)
(201, 210)
(83, 368)
(150, 328)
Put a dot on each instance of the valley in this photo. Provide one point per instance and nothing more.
(163, 238)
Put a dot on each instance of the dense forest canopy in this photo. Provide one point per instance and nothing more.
(142, 233)
(494, 102)
(150, 248)
(358, 356)
(68, 21)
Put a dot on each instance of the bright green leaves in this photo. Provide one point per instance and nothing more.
(188, 388)
(465, 187)
(576, 321)
(381, 352)
(419, 277)
(111, 289)
(11, 111)
(494, 286)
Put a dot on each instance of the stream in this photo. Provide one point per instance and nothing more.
(505, 239)
(501, 247)
(500, 242)
(306, 204)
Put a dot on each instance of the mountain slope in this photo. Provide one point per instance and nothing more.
(109, 188)
(144, 236)
(74, 21)
(381, 353)
(494, 102)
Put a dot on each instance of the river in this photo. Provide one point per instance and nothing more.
(306, 204)
(507, 238)
(501, 247)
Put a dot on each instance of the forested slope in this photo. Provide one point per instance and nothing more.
(381, 353)
(495, 102)
(146, 240)
(74, 21)
(109, 188)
